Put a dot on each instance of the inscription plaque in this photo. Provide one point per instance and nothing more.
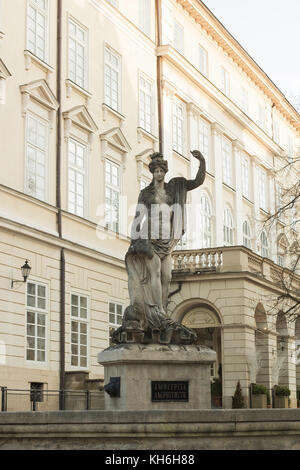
(169, 390)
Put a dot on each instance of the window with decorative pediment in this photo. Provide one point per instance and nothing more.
(80, 129)
(39, 107)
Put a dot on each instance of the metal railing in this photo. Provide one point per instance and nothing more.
(13, 400)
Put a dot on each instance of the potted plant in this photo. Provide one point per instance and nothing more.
(238, 398)
(282, 394)
(259, 396)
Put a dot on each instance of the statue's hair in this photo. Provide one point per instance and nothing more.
(157, 161)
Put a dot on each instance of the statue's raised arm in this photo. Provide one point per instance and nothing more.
(200, 176)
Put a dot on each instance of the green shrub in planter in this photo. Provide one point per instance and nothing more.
(238, 398)
(282, 391)
(258, 389)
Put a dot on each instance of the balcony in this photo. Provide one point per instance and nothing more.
(230, 259)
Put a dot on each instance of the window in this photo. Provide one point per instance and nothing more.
(276, 132)
(36, 157)
(178, 127)
(144, 16)
(79, 330)
(246, 234)
(36, 317)
(244, 100)
(262, 189)
(245, 175)
(205, 220)
(203, 61)
(280, 260)
(78, 54)
(204, 139)
(225, 81)
(178, 37)
(226, 159)
(115, 318)
(182, 243)
(264, 245)
(279, 202)
(227, 227)
(261, 117)
(146, 104)
(37, 28)
(112, 79)
(112, 196)
(77, 178)
(290, 148)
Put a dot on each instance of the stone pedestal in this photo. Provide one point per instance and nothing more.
(156, 377)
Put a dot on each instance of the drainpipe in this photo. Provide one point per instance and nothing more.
(158, 19)
(58, 205)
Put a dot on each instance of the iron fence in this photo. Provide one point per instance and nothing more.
(50, 400)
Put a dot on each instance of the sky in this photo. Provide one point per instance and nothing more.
(269, 30)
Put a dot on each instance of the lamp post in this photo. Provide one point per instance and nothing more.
(25, 270)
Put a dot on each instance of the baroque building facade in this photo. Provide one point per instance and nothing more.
(88, 90)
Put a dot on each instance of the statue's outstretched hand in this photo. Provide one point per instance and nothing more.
(197, 154)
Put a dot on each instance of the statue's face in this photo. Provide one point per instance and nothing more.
(159, 174)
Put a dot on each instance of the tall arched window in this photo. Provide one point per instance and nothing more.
(227, 227)
(246, 234)
(205, 221)
(264, 245)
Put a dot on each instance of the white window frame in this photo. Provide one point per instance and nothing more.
(228, 235)
(117, 189)
(262, 189)
(244, 100)
(178, 139)
(262, 117)
(203, 60)
(143, 110)
(206, 222)
(264, 246)
(36, 311)
(83, 171)
(44, 122)
(145, 16)
(118, 70)
(114, 325)
(85, 45)
(225, 81)
(245, 171)
(204, 133)
(178, 37)
(276, 133)
(80, 320)
(46, 14)
(227, 161)
(247, 234)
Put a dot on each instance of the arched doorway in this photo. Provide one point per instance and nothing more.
(205, 321)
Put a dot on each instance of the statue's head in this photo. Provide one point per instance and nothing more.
(157, 161)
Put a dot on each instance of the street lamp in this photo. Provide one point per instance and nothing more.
(25, 270)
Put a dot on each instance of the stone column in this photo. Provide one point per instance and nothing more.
(272, 206)
(217, 133)
(193, 113)
(255, 192)
(168, 95)
(237, 149)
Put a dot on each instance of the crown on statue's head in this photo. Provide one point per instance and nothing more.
(157, 161)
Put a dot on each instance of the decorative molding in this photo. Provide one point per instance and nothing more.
(107, 109)
(238, 145)
(115, 138)
(143, 160)
(201, 318)
(39, 91)
(168, 88)
(193, 110)
(4, 72)
(143, 133)
(217, 129)
(30, 57)
(79, 116)
(70, 85)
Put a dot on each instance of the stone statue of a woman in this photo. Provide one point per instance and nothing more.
(158, 226)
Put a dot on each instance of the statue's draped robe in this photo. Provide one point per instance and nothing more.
(144, 246)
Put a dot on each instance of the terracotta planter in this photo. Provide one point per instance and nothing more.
(281, 402)
(259, 401)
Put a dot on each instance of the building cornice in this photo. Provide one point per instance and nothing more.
(202, 15)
